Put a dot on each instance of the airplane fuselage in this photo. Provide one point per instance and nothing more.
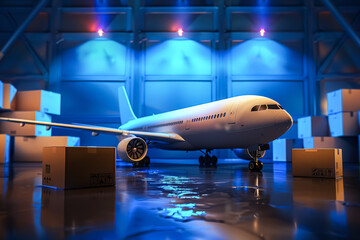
(228, 123)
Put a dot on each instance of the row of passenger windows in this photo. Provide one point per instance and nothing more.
(167, 124)
(220, 115)
(264, 107)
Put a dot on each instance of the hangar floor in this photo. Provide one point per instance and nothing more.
(183, 202)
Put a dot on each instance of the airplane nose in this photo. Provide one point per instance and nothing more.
(283, 120)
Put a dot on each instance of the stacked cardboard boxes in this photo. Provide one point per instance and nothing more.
(30, 139)
(342, 107)
(339, 130)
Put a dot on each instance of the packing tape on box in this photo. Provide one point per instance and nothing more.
(310, 150)
(91, 150)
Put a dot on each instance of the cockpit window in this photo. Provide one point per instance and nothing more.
(273, 106)
(255, 108)
(262, 107)
(280, 106)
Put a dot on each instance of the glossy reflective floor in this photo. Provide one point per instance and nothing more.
(183, 202)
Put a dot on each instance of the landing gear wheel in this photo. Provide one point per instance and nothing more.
(252, 166)
(255, 166)
(214, 160)
(201, 160)
(207, 160)
(146, 161)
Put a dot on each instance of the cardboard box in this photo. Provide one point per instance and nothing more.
(349, 145)
(1, 94)
(4, 148)
(343, 100)
(344, 124)
(321, 163)
(313, 127)
(9, 97)
(308, 190)
(78, 207)
(282, 149)
(15, 129)
(39, 100)
(30, 149)
(77, 167)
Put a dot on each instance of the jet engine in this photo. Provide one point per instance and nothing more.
(247, 154)
(132, 149)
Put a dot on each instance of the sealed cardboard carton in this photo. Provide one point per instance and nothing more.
(39, 100)
(343, 100)
(349, 145)
(306, 190)
(282, 149)
(313, 127)
(30, 149)
(15, 129)
(320, 163)
(65, 209)
(344, 124)
(1, 94)
(4, 148)
(9, 99)
(77, 167)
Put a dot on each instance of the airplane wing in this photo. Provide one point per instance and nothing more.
(165, 137)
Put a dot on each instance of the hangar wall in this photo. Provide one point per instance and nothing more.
(303, 55)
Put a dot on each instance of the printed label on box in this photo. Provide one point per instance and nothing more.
(101, 179)
(323, 172)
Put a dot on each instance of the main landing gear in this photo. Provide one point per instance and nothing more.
(207, 160)
(143, 163)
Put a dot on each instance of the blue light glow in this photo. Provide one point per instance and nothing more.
(100, 56)
(262, 56)
(178, 57)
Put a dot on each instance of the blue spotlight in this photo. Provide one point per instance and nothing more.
(100, 32)
(262, 32)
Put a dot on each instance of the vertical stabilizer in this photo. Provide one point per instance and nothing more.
(126, 112)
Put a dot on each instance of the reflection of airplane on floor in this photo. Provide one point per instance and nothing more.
(248, 122)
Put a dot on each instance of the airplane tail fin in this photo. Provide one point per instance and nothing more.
(126, 112)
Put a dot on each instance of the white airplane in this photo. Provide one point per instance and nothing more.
(247, 122)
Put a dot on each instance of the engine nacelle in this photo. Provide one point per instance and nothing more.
(248, 155)
(132, 149)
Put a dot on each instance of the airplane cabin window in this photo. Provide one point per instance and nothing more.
(221, 115)
(262, 107)
(218, 115)
(255, 108)
(224, 114)
(273, 106)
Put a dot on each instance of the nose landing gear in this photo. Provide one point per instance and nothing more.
(208, 160)
(256, 165)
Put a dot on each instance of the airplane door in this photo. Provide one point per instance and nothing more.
(187, 125)
(232, 113)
